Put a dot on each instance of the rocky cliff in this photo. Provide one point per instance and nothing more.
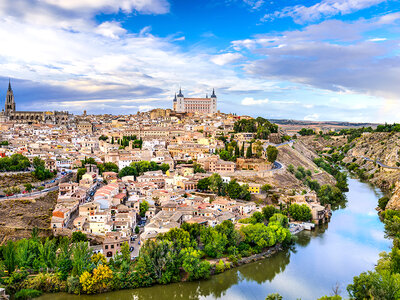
(394, 202)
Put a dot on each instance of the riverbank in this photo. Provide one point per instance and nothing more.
(348, 245)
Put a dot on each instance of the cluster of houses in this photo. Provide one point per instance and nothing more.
(107, 206)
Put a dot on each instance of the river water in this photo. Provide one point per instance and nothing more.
(327, 257)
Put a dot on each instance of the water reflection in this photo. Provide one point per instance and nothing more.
(335, 252)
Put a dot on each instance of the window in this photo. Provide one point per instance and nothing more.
(106, 247)
(112, 246)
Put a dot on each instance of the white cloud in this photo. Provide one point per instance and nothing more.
(113, 6)
(254, 4)
(312, 117)
(226, 58)
(377, 40)
(332, 55)
(106, 61)
(248, 101)
(110, 29)
(146, 107)
(325, 8)
(182, 38)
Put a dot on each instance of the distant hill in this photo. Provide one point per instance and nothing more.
(321, 123)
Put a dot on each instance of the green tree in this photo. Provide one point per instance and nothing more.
(203, 184)
(214, 242)
(237, 151)
(300, 212)
(164, 168)
(63, 261)
(81, 258)
(164, 261)
(28, 187)
(126, 254)
(108, 167)
(272, 153)
(78, 236)
(268, 211)
(192, 264)
(215, 183)
(10, 257)
(361, 286)
(242, 150)
(38, 163)
(249, 151)
(274, 297)
(80, 173)
(143, 207)
(48, 253)
(382, 202)
(198, 169)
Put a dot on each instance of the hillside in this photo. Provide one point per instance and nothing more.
(283, 181)
(19, 216)
(375, 155)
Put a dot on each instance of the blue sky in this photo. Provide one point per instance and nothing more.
(307, 60)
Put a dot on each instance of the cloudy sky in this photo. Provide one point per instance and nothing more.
(311, 60)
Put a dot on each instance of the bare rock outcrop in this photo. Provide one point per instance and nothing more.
(394, 202)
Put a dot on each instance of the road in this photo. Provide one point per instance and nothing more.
(54, 188)
(379, 163)
(136, 247)
(46, 190)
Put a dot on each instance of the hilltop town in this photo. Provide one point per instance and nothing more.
(130, 178)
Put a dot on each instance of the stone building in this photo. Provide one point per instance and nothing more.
(207, 105)
(11, 114)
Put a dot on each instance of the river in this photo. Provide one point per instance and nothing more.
(329, 256)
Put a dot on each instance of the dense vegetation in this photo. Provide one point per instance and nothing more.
(295, 211)
(16, 162)
(262, 127)
(40, 172)
(326, 193)
(124, 142)
(63, 264)
(233, 189)
(306, 131)
(138, 168)
(384, 281)
(353, 133)
(103, 167)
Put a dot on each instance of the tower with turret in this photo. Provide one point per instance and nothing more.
(207, 105)
(180, 102)
(10, 102)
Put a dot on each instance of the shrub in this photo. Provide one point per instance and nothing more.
(383, 202)
(73, 285)
(27, 294)
(219, 267)
(48, 283)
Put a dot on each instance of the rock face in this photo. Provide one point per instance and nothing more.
(394, 202)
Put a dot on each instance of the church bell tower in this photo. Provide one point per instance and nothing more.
(10, 103)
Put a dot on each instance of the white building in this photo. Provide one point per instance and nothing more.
(207, 105)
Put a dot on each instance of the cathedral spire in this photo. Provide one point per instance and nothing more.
(9, 85)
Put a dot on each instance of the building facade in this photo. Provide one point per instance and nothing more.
(207, 105)
(11, 114)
